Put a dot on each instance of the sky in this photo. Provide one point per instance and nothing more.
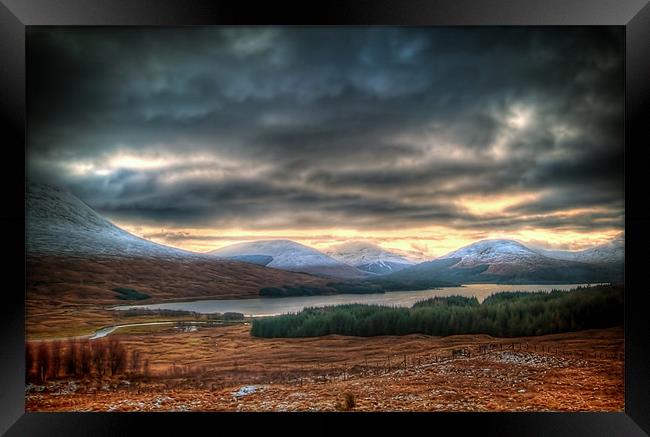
(418, 139)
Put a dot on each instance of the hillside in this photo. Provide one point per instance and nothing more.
(75, 255)
(58, 223)
(91, 279)
(289, 255)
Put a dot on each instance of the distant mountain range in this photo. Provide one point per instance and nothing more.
(509, 261)
(59, 224)
(608, 253)
(499, 261)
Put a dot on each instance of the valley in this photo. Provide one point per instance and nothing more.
(192, 350)
(324, 218)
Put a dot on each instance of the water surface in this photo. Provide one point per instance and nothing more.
(270, 306)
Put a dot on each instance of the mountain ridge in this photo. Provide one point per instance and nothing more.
(59, 223)
(290, 255)
(607, 253)
(368, 257)
(508, 261)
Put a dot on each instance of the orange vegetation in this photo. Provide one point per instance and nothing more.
(206, 370)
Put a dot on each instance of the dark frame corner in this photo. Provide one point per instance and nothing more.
(16, 15)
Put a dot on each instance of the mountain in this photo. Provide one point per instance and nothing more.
(501, 256)
(506, 261)
(608, 253)
(75, 255)
(58, 223)
(368, 257)
(292, 256)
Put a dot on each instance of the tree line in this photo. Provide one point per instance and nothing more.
(355, 286)
(506, 314)
(164, 312)
(49, 360)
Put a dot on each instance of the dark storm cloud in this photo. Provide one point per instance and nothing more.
(309, 127)
(264, 204)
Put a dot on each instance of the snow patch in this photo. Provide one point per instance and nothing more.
(245, 390)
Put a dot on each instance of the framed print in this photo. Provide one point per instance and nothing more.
(352, 211)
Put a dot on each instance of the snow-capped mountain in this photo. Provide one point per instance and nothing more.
(608, 253)
(368, 257)
(500, 255)
(289, 255)
(507, 261)
(58, 223)
(73, 254)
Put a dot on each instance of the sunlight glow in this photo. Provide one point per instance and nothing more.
(419, 244)
(137, 163)
(485, 205)
(520, 117)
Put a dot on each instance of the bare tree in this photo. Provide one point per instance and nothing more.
(43, 361)
(145, 368)
(135, 362)
(70, 358)
(30, 360)
(55, 368)
(116, 356)
(99, 357)
(85, 358)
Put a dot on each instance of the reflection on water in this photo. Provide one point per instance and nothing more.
(269, 306)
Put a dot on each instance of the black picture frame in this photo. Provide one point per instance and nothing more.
(15, 15)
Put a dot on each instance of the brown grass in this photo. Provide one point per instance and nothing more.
(66, 296)
(581, 371)
(90, 280)
(305, 374)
